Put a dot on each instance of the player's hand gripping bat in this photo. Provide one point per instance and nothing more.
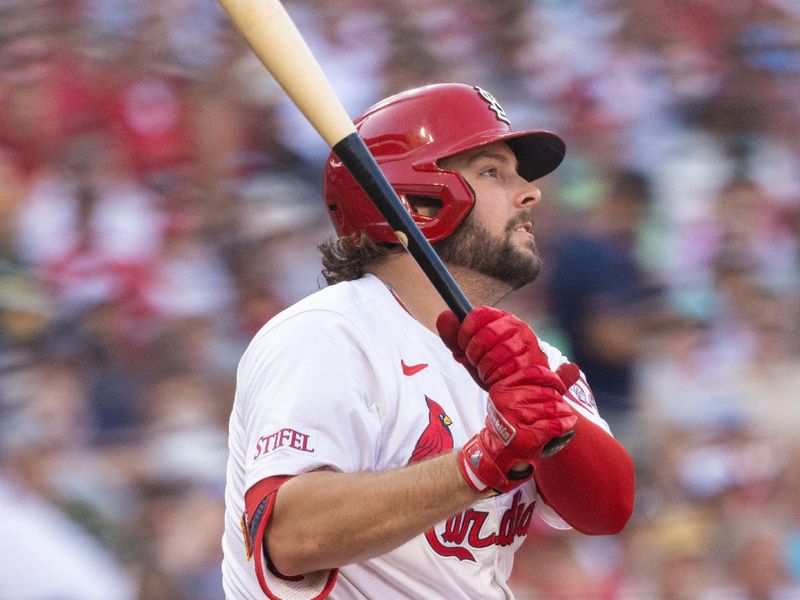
(278, 44)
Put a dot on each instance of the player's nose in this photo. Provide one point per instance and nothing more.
(528, 194)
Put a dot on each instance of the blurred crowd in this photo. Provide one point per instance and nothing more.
(159, 201)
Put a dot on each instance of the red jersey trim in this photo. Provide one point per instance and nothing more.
(259, 503)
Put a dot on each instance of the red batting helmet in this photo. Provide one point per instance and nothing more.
(407, 134)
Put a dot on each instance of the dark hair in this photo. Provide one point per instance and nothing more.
(345, 258)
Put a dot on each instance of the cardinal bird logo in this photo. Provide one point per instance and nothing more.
(436, 438)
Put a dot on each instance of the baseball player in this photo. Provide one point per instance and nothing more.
(378, 447)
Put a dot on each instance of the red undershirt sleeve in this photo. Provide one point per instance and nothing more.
(590, 483)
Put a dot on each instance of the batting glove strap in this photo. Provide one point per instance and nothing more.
(481, 472)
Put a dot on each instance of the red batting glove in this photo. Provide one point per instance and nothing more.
(490, 343)
(526, 407)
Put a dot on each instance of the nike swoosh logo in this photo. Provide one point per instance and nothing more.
(410, 370)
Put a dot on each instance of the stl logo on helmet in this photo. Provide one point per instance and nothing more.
(494, 105)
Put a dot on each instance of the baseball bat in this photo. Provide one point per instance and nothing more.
(278, 44)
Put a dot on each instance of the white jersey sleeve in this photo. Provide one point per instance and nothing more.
(304, 401)
(306, 384)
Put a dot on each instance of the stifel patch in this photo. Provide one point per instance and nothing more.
(285, 439)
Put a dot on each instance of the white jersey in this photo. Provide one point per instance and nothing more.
(347, 380)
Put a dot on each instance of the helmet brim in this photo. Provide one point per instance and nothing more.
(538, 152)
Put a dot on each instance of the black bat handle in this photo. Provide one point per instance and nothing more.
(355, 155)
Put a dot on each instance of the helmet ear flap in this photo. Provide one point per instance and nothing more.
(446, 190)
(351, 210)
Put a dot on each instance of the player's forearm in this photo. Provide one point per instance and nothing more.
(324, 520)
(590, 483)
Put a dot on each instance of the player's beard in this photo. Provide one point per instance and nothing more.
(473, 247)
